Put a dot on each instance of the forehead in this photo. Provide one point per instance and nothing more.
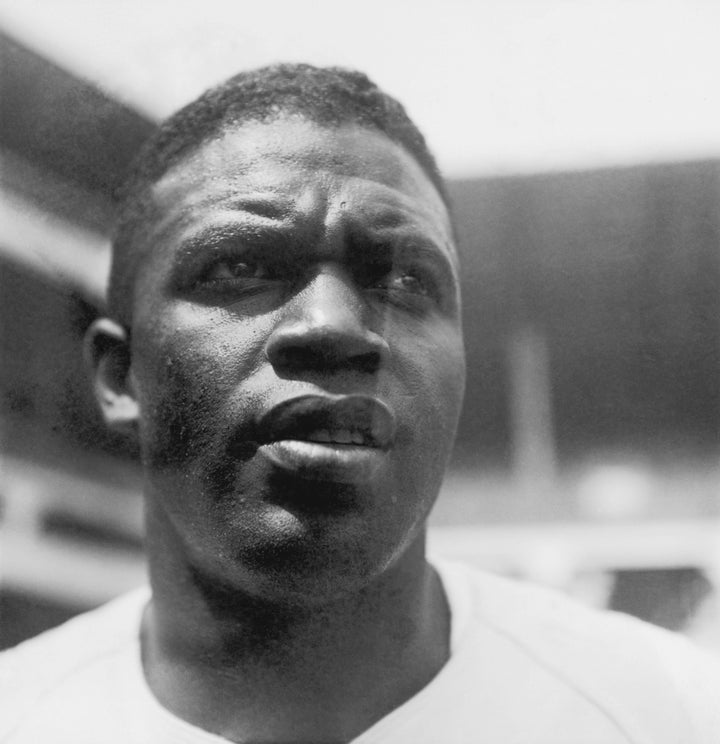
(290, 169)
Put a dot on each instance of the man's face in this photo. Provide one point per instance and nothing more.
(296, 354)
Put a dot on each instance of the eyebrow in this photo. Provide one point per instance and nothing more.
(269, 211)
(267, 206)
(395, 216)
(407, 239)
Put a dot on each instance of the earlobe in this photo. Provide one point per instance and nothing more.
(107, 355)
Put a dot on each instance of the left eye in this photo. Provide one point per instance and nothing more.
(237, 269)
(407, 283)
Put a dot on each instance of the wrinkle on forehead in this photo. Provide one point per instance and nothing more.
(285, 141)
(289, 171)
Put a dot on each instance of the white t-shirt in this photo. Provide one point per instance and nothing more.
(527, 666)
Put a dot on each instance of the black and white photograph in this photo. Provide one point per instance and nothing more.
(360, 372)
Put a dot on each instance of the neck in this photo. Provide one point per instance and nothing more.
(256, 670)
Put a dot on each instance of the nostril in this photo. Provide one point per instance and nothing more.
(324, 358)
(367, 362)
(299, 357)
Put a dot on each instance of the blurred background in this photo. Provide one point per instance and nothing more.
(581, 141)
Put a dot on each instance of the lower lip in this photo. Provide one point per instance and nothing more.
(342, 463)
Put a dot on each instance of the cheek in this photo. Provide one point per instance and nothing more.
(434, 379)
(436, 383)
(186, 367)
(434, 369)
(193, 345)
(178, 400)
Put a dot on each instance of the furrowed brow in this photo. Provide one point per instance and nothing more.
(406, 242)
(226, 238)
(266, 206)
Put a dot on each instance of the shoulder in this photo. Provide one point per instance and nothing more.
(643, 675)
(35, 670)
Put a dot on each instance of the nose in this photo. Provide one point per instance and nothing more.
(324, 329)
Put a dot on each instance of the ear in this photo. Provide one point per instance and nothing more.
(107, 355)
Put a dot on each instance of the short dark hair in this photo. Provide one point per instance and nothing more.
(329, 96)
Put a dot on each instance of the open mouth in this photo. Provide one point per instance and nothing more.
(342, 438)
(349, 419)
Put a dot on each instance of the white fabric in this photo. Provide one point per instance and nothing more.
(527, 666)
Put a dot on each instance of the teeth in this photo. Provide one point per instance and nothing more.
(341, 436)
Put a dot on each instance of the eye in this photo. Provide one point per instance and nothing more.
(408, 288)
(230, 269)
(407, 282)
(403, 280)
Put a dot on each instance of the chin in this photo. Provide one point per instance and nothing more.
(290, 562)
(258, 533)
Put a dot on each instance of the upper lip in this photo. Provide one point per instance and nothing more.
(345, 419)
